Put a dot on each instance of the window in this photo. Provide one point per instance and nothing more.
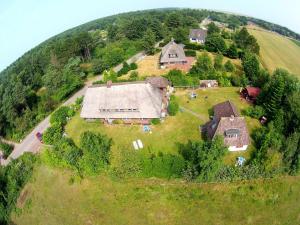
(173, 55)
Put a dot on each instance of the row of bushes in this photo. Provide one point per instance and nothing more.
(126, 68)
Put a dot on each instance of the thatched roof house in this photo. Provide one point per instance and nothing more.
(172, 53)
(198, 35)
(131, 100)
(230, 125)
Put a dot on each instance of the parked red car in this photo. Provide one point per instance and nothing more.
(39, 136)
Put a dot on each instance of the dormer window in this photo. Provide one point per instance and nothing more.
(174, 55)
(232, 133)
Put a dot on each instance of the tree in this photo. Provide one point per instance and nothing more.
(203, 67)
(246, 41)
(251, 66)
(218, 63)
(177, 78)
(173, 20)
(53, 134)
(60, 116)
(215, 43)
(149, 42)
(206, 157)
(232, 52)
(275, 93)
(180, 35)
(96, 151)
(213, 29)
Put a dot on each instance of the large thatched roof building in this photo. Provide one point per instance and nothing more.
(132, 100)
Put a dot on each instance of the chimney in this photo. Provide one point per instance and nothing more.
(109, 84)
(232, 118)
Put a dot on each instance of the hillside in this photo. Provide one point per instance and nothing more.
(277, 51)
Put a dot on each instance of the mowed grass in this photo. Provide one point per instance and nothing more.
(277, 51)
(164, 137)
(203, 105)
(149, 66)
(52, 200)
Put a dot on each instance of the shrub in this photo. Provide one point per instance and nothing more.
(134, 75)
(162, 165)
(229, 67)
(60, 116)
(173, 107)
(133, 66)
(193, 46)
(191, 53)
(255, 112)
(155, 121)
(6, 148)
(53, 134)
(96, 150)
(127, 164)
(117, 121)
(239, 80)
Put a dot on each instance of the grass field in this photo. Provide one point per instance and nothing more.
(164, 137)
(277, 51)
(50, 199)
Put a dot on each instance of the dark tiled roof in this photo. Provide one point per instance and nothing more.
(225, 109)
(226, 123)
(233, 123)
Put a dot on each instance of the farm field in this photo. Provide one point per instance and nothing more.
(50, 199)
(277, 51)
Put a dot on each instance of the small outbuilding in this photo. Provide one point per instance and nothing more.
(208, 83)
(251, 93)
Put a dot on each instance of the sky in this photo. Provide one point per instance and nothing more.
(25, 24)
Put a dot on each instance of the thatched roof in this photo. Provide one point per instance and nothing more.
(157, 81)
(198, 34)
(134, 100)
(172, 52)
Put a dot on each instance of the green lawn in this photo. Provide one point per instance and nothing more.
(277, 51)
(204, 103)
(50, 199)
(164, 137)
(178, 129)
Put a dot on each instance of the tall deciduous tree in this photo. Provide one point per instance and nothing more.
(149, 41)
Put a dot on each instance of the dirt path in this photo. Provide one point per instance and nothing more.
(201, 117)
